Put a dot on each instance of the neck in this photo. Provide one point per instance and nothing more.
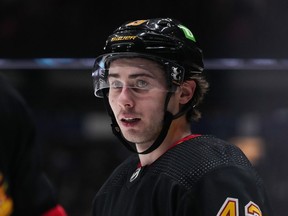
(178, 130)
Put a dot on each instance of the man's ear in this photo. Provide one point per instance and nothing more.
(187, 91)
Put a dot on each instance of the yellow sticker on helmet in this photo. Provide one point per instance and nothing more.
(136, 23)
(122, 38)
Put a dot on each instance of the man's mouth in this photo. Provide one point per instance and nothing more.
(130, 120)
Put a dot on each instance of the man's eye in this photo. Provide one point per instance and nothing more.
(116, 84)
(141, 84)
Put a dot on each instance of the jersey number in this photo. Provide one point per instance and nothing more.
(231, 208)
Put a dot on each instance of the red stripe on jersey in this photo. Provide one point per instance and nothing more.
(191, 136)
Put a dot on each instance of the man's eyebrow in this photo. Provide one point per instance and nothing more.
(117, 75)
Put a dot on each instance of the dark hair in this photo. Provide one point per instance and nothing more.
(202, 87)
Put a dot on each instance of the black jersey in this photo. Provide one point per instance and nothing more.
(201, 176)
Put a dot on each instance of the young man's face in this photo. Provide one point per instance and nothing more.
(137, 92)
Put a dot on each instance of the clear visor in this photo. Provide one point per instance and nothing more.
(106, 79)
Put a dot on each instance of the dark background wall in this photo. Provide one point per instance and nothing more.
(78, 148)
(224, 28)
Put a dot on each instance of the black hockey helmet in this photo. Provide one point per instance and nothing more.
(164, 40)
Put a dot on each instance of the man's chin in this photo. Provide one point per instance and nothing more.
(131, 139)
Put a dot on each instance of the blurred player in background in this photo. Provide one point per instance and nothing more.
(24, 188)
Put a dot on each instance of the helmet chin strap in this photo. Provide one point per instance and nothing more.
(168, 118)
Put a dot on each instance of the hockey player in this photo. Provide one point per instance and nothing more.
(150, 77)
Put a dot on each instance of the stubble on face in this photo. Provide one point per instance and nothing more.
(147, 131)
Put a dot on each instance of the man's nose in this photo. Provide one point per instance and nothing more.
(125, 98)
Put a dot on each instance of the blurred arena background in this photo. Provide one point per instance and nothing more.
(47, 50)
